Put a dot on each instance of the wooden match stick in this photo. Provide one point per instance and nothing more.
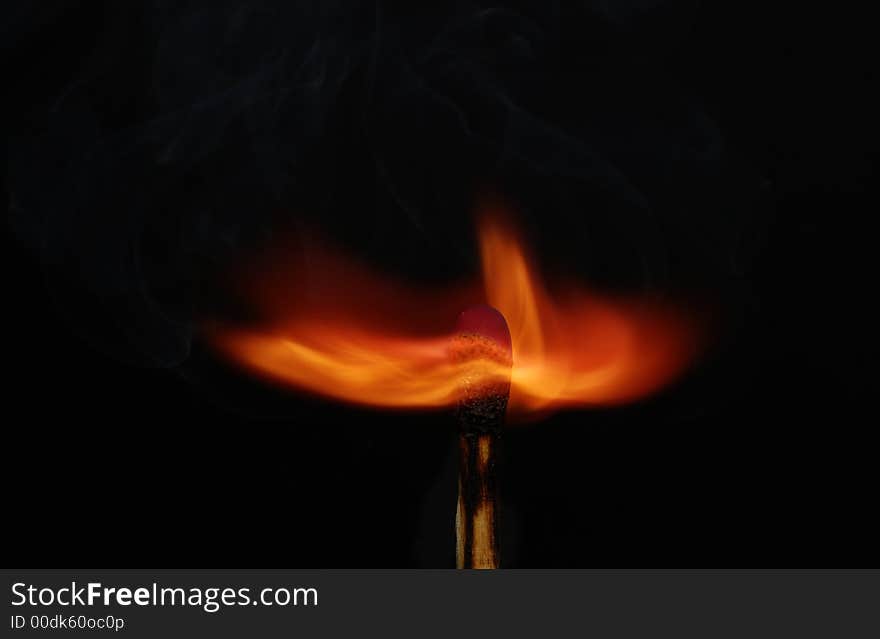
(482, 345)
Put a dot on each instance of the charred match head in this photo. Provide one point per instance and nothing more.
(482, 347)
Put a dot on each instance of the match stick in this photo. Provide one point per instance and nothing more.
(482, 345)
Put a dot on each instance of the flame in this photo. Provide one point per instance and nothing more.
(333, 327)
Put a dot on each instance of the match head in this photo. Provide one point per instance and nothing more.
(485, 321)
(482, 348)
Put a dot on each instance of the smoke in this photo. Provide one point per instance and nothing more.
(193, 132)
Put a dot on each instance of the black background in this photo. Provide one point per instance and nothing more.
(717, 152)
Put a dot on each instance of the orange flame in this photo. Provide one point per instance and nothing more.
(337, 329)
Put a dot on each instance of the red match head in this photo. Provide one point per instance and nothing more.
(487, 322)
(482, 347)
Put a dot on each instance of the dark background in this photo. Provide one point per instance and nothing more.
(720, 153)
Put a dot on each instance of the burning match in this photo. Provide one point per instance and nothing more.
(362, 337)
(482, 348)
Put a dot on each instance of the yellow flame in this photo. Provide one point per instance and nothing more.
(358, 337)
